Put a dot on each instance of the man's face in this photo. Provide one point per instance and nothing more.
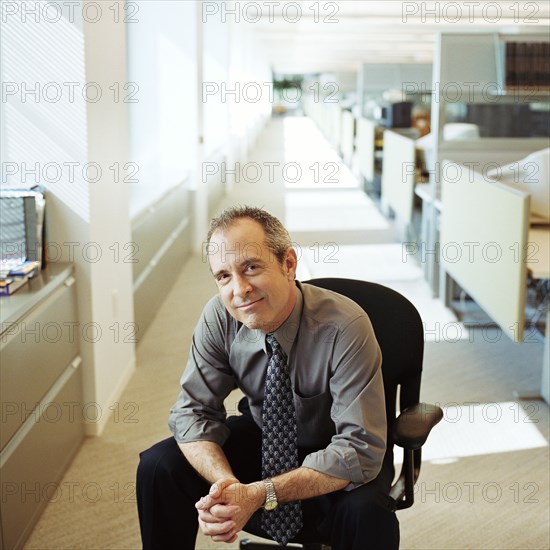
(255, 288)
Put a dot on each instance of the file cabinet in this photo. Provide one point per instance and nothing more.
(41, 397)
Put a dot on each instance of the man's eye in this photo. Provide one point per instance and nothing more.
(252, 267)
(222, 278)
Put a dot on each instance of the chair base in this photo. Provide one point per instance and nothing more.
(247, 544)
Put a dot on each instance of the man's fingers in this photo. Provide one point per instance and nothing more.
(217, 529)
(227, 511)
(228, 537)
(216, 493)
(207, 517)
(204, 503)
(218, 513)
(217, 488)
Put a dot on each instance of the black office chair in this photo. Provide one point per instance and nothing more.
(400, 333)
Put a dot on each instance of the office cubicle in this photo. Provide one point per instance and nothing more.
(365, 148)
(398, 178)
(347, 136)
(484, 243)
(480, 84)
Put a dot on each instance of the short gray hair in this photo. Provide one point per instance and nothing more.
(277, 238)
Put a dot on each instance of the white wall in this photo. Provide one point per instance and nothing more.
(191, 68)
(150, 113)
(248, 66)
(73, 141)
(216, 88)
(110, 287)
(162, 53)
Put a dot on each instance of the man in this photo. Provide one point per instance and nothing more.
(305, 457)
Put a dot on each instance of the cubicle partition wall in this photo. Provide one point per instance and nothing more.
(325, 119)
(347, 136)
(364, 147)
(323, 114)
(398, 178)
(217, 177)
(484, 243)
(480, 82)
(334, 127)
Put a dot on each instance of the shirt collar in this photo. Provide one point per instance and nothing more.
(287, 332)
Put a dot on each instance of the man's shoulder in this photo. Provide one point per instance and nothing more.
(216, 325)
(332, 317)
(327, 305)
(215, 311)
(215, 304)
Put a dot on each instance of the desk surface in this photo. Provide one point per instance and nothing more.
(28, 296)
(538, 252)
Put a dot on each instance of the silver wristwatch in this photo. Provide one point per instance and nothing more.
(270, 495)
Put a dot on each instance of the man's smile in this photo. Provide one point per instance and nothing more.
(249, 304)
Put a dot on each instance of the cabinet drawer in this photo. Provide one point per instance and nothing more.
(32, 471)
(34, 351)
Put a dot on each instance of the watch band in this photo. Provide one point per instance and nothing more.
(270, 495)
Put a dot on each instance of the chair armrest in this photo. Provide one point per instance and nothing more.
(413, 425)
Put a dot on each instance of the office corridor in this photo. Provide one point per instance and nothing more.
(337, 229)
(339, 232)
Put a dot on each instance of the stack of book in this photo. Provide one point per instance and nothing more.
(527, 65)
(13, 279)
(8, 285)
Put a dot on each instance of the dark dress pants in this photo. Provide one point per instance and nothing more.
(168, 488)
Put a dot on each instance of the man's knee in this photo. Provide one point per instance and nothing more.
(367, 517)
(160, 461)
(365, 504)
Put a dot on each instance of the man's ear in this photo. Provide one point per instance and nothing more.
(290, 263)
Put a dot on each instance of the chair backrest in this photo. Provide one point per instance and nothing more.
(399, 331)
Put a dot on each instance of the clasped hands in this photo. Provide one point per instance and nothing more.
(227, 508)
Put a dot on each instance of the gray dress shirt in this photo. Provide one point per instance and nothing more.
(335, 368)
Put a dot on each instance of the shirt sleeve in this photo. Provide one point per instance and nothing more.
(199, 413)
(356, 451)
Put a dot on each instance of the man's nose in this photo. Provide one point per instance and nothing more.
(241, 286)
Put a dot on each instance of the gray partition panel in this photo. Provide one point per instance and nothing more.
(35, 351)
(152, 229)
(33, 471)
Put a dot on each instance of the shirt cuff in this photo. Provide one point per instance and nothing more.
(187, 430)
(340, 462)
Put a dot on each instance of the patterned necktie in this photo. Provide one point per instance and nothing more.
(279, 442)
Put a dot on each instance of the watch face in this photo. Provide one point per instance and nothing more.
(271, 505)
